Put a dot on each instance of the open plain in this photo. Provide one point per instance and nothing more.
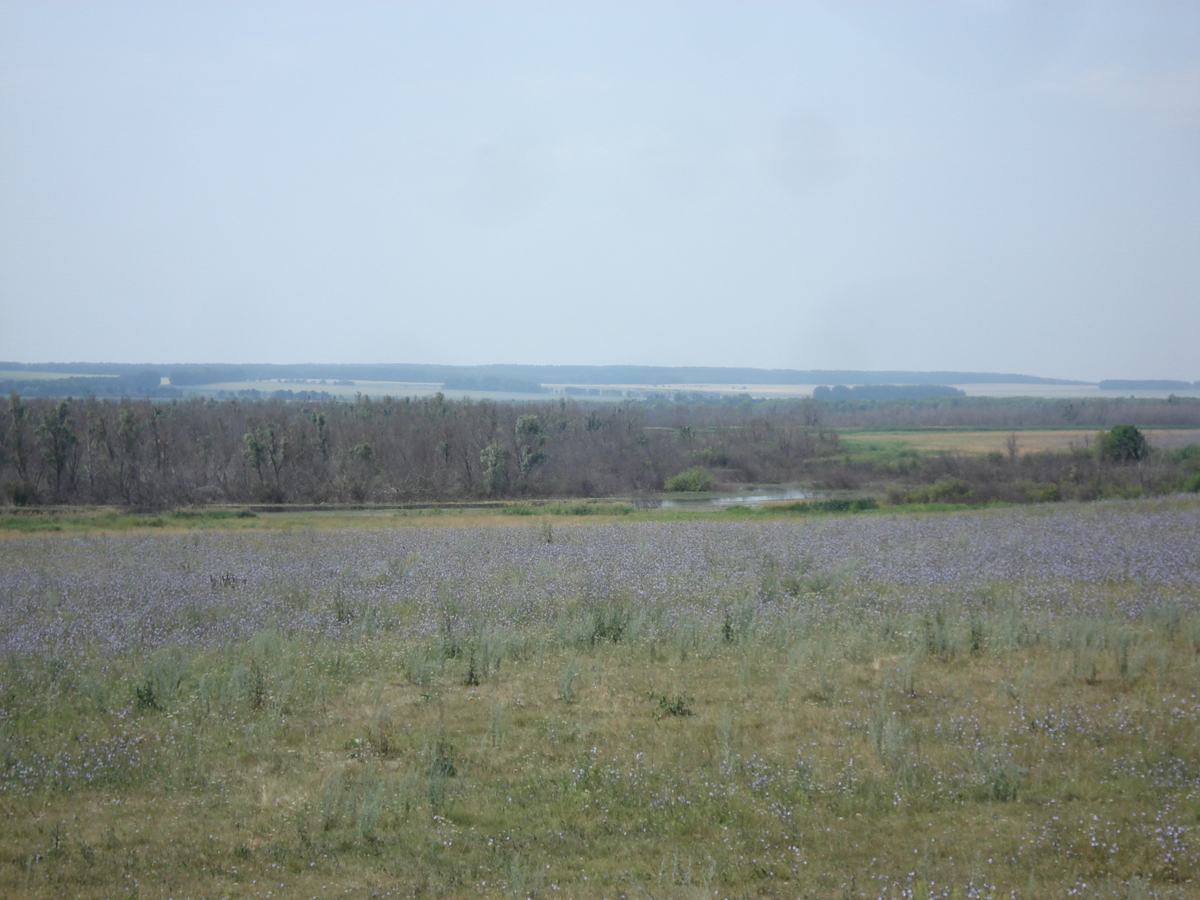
(1000, 702)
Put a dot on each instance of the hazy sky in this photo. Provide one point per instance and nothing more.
(958, 185)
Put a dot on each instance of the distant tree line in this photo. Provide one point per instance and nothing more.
(145, 453)
(1119, 384)
(215, 373)
(885, 392)
(136, 385)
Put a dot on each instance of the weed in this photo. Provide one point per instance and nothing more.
(384, 732)
(1001, 777)
(161, 680)
(678, 705)
(442, 767)
(940, 640)
(566, 681)
(473, 676)
(496, 724)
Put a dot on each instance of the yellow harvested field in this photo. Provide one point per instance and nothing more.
(30, 375)
(1027, 441)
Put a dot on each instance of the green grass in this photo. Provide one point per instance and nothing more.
(577, 508)
(878, 450)
(795, 757)
(35, 520)
(962, 749)
(77, 520)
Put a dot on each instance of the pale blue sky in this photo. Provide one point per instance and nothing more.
(974, 186)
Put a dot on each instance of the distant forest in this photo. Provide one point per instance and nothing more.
(140, 381)
(886, 392)
(1119, 384)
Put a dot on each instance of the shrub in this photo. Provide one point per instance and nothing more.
(1124, 443)
(1041, 491)
(950, 490)
(694, 479)
(1188, 455)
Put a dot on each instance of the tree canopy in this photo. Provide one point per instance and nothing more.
(1124, 443)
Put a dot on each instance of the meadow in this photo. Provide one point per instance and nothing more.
(996, 440)
(988, 703)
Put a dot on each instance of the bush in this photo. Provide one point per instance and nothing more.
(1041, 491)
(1124, 443)
(694, 479)
(1187, 455)
(950, 490)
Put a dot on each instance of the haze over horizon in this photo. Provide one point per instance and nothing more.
(961, 186)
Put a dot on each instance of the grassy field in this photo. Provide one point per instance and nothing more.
(974, 704)
(861, 443)
(27, 375)
(548, 514)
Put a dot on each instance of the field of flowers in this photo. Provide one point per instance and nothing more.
(995, 703)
